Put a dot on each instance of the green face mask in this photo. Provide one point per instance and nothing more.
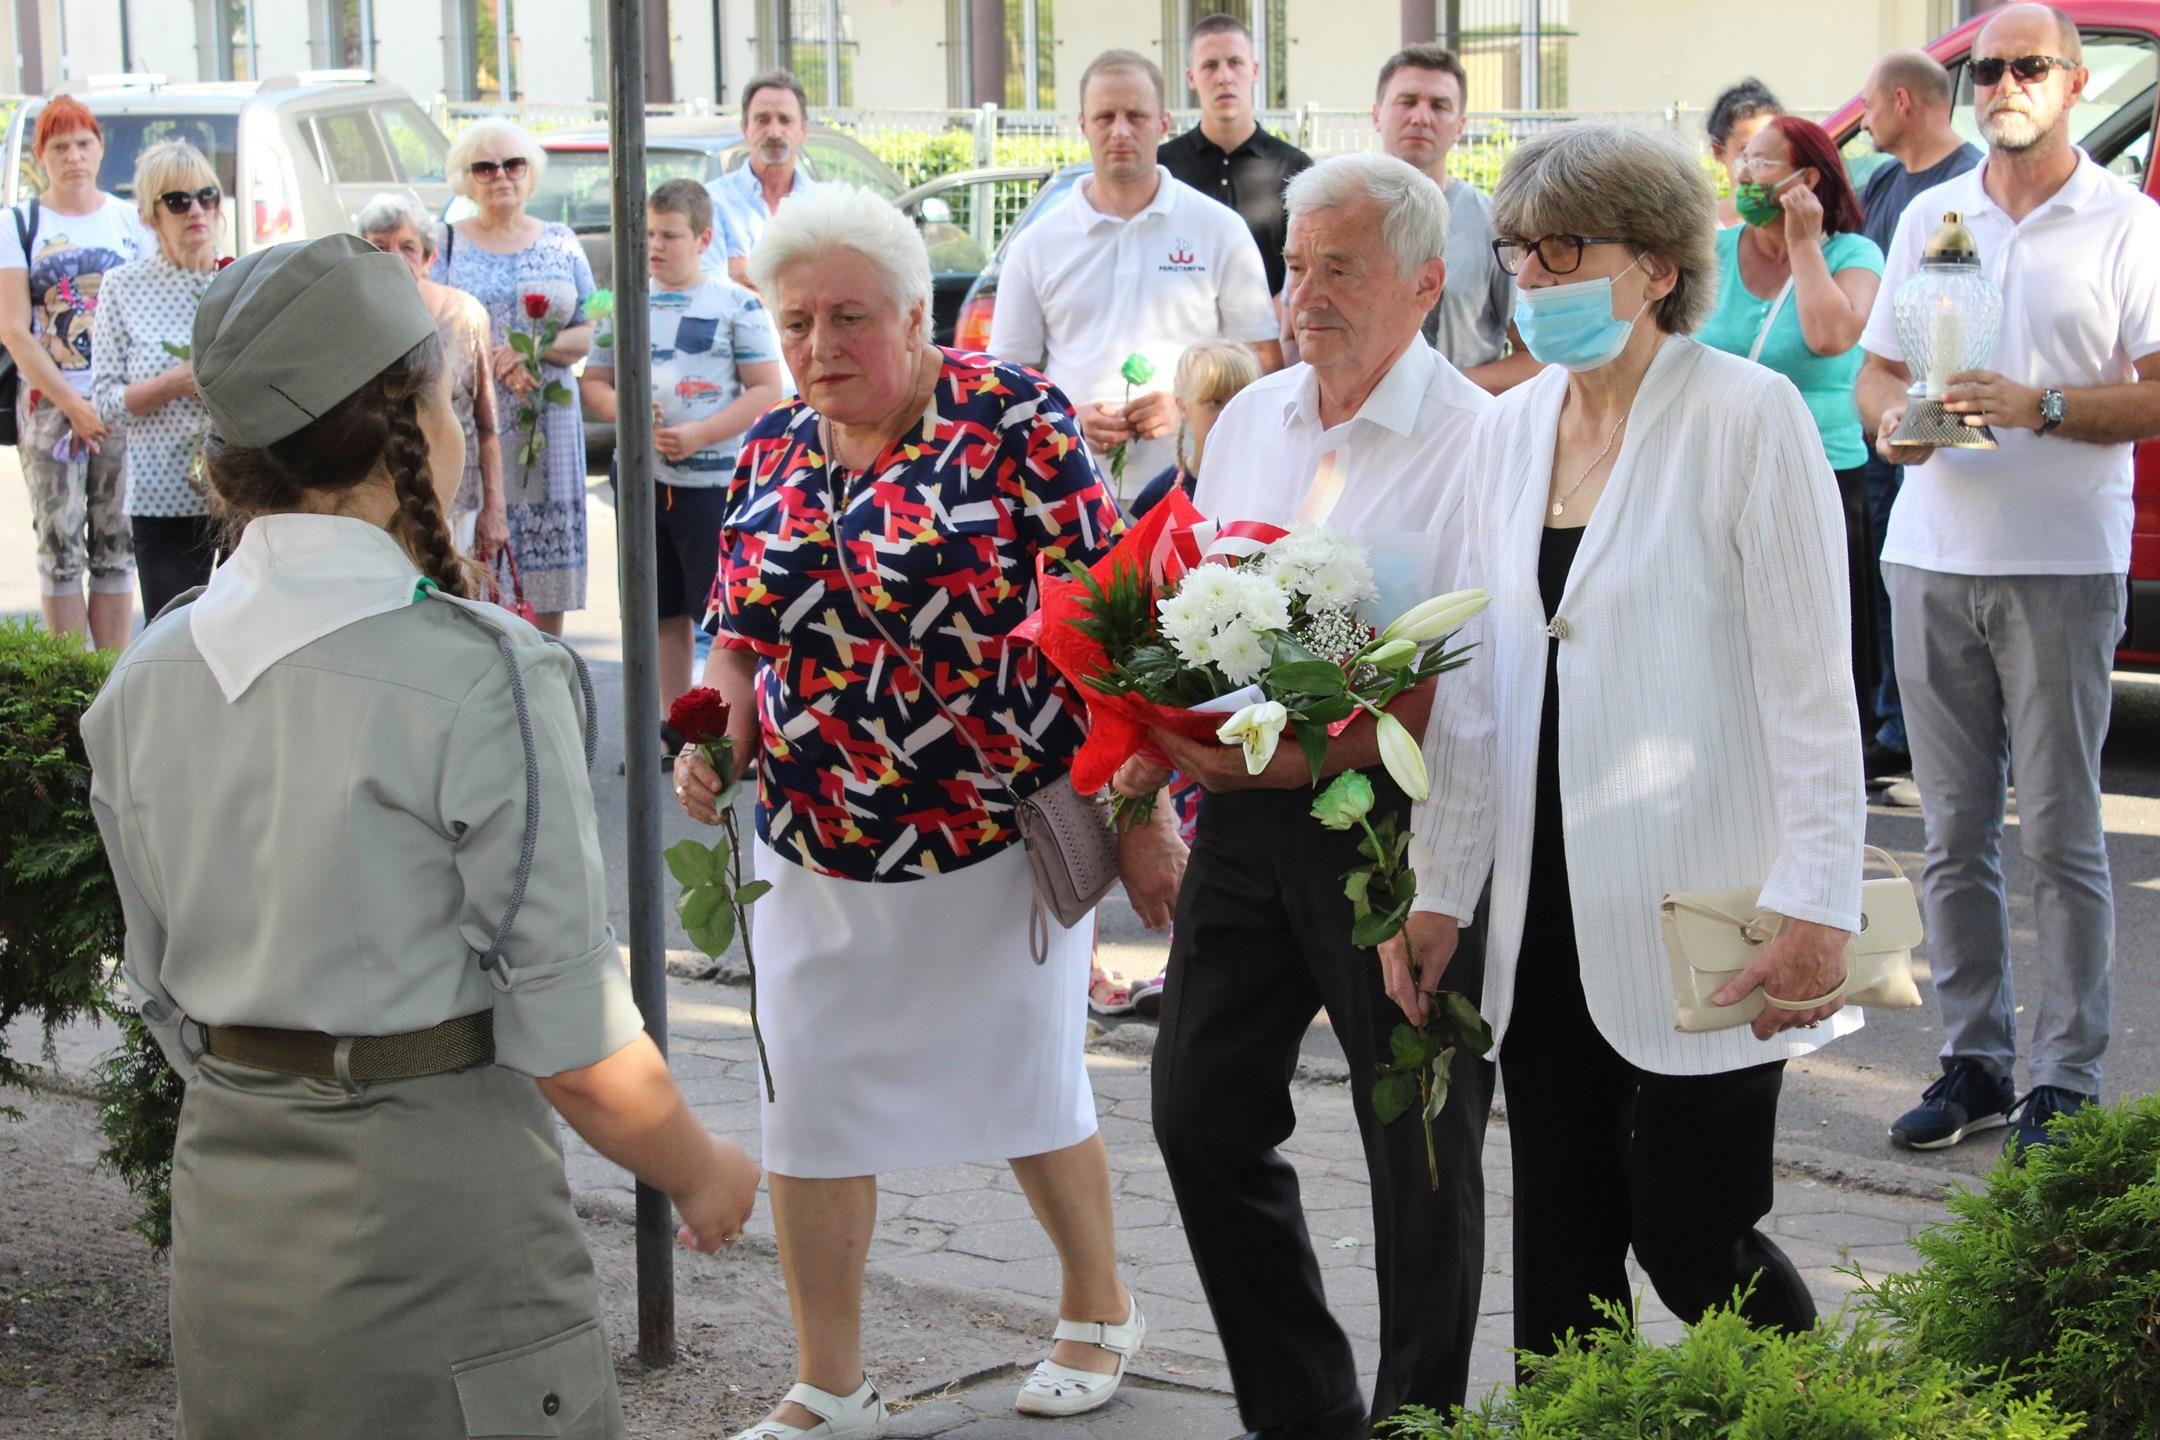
(1752, 203)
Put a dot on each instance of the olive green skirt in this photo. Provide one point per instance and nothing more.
(401, 1261)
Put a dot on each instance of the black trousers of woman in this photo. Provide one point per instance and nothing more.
(173, 554)
(1262, 945)
(1608, 1156)
(1863, 578)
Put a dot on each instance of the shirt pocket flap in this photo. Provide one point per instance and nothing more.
(541, 1389)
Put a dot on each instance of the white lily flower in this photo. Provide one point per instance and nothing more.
(1441, 615)
(1258, 727)
(1399, 752)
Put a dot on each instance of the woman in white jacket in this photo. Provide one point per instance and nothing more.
(1660, 700)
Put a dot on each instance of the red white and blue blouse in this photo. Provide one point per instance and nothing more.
(861, 776)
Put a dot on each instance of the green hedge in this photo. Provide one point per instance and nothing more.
(1726, 1380)
(2051, 1274)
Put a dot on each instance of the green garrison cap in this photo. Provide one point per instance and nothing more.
(284, 334)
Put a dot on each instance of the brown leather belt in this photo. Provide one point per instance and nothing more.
(453, 1045)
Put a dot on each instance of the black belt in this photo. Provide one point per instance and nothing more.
(453, 1045)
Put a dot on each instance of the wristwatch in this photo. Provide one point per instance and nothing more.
(2052, 410)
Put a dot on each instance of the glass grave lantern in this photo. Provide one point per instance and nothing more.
(1948, 314)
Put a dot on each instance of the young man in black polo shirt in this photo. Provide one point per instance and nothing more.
(1227, 156)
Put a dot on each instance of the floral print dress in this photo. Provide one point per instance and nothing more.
(545, 503)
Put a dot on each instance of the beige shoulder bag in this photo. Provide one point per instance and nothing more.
(1711, 935)
(1071, 849)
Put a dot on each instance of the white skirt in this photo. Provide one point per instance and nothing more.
(907, 1025)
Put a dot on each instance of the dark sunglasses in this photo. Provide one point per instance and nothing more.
(514, 167)
(2029, 69)
(1559, 254)
(179, 202)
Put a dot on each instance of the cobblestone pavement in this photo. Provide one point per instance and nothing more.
(968, 1228)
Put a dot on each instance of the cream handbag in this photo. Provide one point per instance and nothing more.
(1711, 935)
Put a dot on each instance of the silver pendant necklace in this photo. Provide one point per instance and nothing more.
(1561, 504)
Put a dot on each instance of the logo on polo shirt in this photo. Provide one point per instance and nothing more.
(1181, 260)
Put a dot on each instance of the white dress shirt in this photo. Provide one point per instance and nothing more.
(1708, 736)
(1390, 476)
(1080, 291)
(2080, 281)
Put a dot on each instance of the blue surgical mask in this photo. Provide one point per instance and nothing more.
(1573, 324)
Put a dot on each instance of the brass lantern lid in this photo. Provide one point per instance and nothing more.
(1951, 244)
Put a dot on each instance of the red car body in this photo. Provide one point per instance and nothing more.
(2115, 124)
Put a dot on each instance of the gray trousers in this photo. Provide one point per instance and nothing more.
(2005, 674)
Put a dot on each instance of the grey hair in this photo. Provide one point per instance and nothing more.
(1644, 186)
(1414, 211)
(842, 217)
(389, 211)
(466, 149)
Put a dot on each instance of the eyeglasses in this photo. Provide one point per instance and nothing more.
(179, 202)
(1559, 254)
(1756, 164)
(514, 167)
(2029, 69)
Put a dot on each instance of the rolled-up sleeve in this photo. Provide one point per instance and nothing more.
(143, 953)
(1791, 542)
(562, 997)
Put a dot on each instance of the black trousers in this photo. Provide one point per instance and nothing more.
(1262, 943)
(173, 554)
(1608, 1156)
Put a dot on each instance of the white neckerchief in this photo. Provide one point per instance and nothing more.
(290, 581)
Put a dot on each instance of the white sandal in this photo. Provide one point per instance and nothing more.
(859, 1415)
(1056, 1389)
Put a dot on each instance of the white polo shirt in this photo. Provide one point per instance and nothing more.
(2080, 280)
(1081, 290)
(1390, 476)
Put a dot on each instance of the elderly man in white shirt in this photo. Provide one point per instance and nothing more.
(1361, 436)
(2006, 569)
(1134, 263)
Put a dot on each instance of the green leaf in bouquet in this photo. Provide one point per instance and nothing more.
(556, 393)
(696, 905)
(1469, 1026)
(1436, 1090)
(1312, 738)
(691, 863)
(1393, 1096)
(1328, 709)
(1377, 928)
(716, 934)
(1365, 844)
(1355, 885)
(522, 342)
(1305, 677)
(1409, 1048)
(752, 892)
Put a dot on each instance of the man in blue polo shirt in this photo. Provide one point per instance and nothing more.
(775, 122)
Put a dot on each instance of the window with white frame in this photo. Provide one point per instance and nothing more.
(1030, 56)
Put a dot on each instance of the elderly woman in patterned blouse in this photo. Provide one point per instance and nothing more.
(142, 381)
(921, 487)
(397, 224)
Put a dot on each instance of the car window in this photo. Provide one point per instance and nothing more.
(419, 147)
(833, 158)
(1055, 191)
(354, 148)
(575, 189)
(128, 134)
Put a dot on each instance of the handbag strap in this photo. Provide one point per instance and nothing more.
(1763, 332)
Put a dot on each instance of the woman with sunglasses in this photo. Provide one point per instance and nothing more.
(504, 258)
(1659, 703)
(142, 381)
(55, 251)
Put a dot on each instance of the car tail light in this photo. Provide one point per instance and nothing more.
(972, 330)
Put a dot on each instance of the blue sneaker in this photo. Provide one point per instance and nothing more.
(2029, 1117)
(1966, 1099)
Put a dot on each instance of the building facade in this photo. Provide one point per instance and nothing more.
(1578, 55)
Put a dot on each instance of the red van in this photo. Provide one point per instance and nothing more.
(2114, 124)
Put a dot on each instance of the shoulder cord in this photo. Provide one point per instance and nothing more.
(530, 842)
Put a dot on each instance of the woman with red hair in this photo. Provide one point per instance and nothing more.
(54, 252)
(1795, 282)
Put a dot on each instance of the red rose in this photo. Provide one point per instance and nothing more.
(223, 261)
(700, 717)
(536, 306)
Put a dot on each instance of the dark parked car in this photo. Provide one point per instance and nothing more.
(971, 331)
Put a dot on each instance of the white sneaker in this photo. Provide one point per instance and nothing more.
(1056, 1389)
(859, 1415)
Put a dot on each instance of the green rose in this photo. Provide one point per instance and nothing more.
(1346, 801)
(1137, 370)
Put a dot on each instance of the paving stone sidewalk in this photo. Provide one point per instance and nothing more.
(967, 1228)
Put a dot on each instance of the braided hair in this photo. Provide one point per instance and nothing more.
(377, 426)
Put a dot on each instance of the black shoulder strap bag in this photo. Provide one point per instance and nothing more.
(10, 377)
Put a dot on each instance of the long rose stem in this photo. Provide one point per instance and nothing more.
(742, 924)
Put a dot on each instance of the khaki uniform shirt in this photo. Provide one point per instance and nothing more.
(335, 849)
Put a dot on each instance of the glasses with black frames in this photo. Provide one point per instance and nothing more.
(179, 202)
(1558, 254)
(2029, 69)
